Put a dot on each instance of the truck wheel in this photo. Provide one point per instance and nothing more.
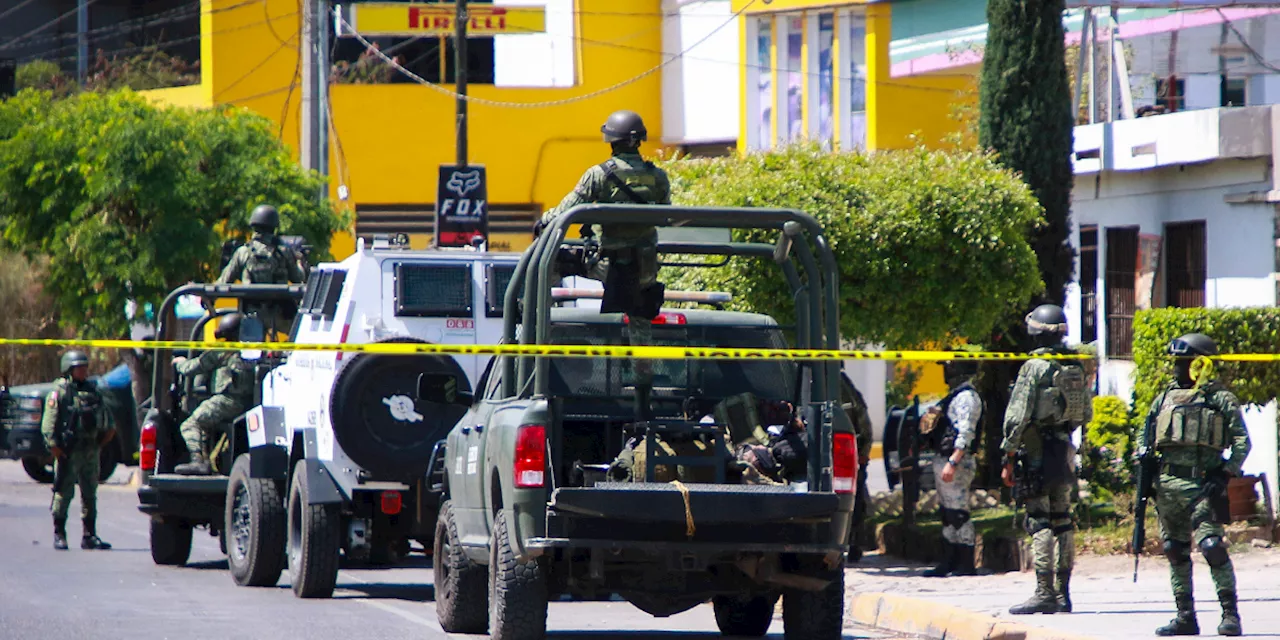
(750, 618)
(814, 615)
(314, 542)
(462, 591)
(170, 541)
(255, 527)
(37, 470)
(108, 457)
(517, 590)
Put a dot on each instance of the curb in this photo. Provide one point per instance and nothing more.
(942, 622)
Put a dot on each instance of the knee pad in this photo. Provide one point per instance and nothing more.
(1214, 549)
(1038, 522)
(1178, 553)
(954, 517)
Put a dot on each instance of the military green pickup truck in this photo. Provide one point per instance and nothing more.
(547, 493)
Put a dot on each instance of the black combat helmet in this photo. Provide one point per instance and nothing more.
(956, 372)
(264, 218)
(228, 327)
(624, 126)
(1193, 344)
(73, 359)
(1047, 319)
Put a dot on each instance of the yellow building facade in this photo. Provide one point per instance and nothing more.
(387, 140)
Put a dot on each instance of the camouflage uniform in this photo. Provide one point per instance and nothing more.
(1040, 419)
(964, 409)
(80, 463)
(624, 244)
(264, 260)
(1186, 514)
(855, 406)
(232, 386)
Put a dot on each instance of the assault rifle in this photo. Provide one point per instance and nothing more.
(1146, 476)
(64, 437)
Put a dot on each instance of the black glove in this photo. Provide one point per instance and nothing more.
(1215, 483)
(538, 227)
(570, 262)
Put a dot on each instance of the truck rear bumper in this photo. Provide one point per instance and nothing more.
(197, 498)
(650, 546)
(23, 442)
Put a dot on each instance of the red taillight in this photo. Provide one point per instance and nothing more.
(663, 318)
(391, 502)
(844, 462)
(147, 447)
(531, 456)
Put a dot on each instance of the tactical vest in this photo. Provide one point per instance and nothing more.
(949, 431)
(234, 378)
(80, 400)
(635, 184)
(266, 264)
(1064, 399)
(1187, 419)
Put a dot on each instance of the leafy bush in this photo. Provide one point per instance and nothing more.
(931, 244)
(1245, 330)
(1109, 439)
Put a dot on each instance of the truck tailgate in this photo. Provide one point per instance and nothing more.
(708, 503)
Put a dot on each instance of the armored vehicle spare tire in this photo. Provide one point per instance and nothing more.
(377, 418)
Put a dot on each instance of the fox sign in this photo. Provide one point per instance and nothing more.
(462, 211)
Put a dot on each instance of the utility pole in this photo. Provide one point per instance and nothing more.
(82, 42)
(315, 88)
(460, 76)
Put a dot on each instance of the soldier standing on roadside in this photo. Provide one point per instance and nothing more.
(75, 428)
(628, 263)
(1050, 400)
(1196, 419)
(954, 467)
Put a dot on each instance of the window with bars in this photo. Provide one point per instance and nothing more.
(1185, 264)
(1088, 284)
(1121, 289)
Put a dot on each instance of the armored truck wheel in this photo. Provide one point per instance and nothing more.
(517, 590)
(170, 541)
(462, 590)
(748, 618)
(38, 470)
(314, 540)
(815, 615)
(255, 529)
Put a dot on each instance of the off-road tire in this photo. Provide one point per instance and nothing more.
(170, 541)
(748, 618)
(517, 590)
(258, 560)
(815, 615)
(313, 540)
(462, 588)
(38, 470)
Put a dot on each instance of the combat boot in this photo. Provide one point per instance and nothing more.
(1184, 624)
(199, 466)
(964, 560)
(1230, 625)
(1044, 600)
(947, 565)
(60, 534)
(90, 539)
(1064, 592)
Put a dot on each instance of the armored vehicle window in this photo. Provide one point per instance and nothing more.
(323, 290)
(313, 290)
(442, 291)
(497, 277)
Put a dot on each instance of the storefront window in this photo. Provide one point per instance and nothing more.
(826, 109)
(764, 65)
(857, 135)
(795, 78)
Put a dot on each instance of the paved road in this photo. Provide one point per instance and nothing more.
(122, 594)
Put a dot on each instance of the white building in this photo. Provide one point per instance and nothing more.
(1175, 210)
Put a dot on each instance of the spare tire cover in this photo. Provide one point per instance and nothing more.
(378, 420)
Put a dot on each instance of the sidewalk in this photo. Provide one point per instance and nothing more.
(1106, 601)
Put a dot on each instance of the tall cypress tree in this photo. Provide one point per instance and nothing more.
(1026, 118)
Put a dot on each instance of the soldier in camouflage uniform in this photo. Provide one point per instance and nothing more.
(954, 467)
(1194, 421)
(232, 386)
(855, 406)
(265, 260)
(1050, 400)
(75, 427)
(631, 285)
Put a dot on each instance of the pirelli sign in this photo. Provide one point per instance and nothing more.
(410, 19)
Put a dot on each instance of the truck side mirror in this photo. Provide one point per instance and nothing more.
(442, 388)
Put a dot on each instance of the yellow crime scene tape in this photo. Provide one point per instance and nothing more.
(550, 351)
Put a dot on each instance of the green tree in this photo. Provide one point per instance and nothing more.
(128, 200)
(931, 244)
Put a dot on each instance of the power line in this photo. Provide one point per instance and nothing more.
(261, 64)
(46, 25)
(12, 9)
(164, 17)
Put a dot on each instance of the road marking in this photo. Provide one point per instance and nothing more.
(411, 617)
